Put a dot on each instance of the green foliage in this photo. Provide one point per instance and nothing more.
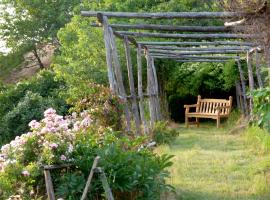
(24, 22)
(230, 74)
(261, 110)
(163, 134)
(259, 138)
(26, 101)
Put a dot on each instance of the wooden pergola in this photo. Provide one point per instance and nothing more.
(213, 44)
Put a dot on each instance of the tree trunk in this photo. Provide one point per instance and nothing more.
(38, 58)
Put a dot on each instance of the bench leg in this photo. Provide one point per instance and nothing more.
(218, 122)
(197, 122)
(186, 121)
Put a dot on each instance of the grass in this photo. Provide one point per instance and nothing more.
(210, 164)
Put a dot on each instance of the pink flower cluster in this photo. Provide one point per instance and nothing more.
(51, 133)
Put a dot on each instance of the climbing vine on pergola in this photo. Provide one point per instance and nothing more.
(225, 43)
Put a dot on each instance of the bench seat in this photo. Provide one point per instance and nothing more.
(208, 108)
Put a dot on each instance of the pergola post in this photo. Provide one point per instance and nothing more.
(109, 60)
(140, 89)
(258, 69)
(134, 104)
(119, 78)
(250, 79)
(243, 87)
(155, 89)
(150, 91)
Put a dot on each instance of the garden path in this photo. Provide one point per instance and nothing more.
(210, 164)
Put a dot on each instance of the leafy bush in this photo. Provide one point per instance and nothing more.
(28, 100)
(133, 172)
(261, 110)
(259, 138)
(163, 134)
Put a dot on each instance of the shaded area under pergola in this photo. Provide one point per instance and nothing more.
(213, 44)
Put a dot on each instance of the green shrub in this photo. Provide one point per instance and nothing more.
(258, 137)
(28, 100)
(163, 134)
(261, 110)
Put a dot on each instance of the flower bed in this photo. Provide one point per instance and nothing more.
(131, 170)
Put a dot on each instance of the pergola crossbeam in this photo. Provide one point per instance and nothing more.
(168, 15)
(173, 27)
(214, 43)
(190, 36)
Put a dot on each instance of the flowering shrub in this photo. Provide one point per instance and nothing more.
(132, 171)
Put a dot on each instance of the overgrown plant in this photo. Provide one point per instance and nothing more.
(261, 110)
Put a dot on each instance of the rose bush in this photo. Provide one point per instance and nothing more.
(133, 172)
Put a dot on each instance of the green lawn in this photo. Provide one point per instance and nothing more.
(210, 164)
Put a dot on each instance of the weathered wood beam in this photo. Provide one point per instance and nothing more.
(175, 56)
(140, 89)
(155, 47)
(168, 52)
(214, 43)
(166, 15)
(190, 36)
(173, 27)
(243, 87)
(258, 69)
(201, 60)
(134, 104)
(211, 57)
(250, 79)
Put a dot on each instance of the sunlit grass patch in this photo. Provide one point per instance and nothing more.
(210, 164)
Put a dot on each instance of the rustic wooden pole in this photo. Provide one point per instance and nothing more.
(267, 58)
(105, 184)
(156, 47)
(202, 60)
(140, 89)
(168, 15)
(49, 184)
(119, 78)
(111, 77)
(162, 27)
(213, 43)
(238, 95)
(243, 87)
(190, 36)
(250, 79)
(155, 89)
(150, 92)
(198, 52)
(131, 86)
(258, 69)
(88, 183)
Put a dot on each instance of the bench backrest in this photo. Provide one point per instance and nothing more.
(209, 105)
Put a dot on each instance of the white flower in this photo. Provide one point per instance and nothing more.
(25, 173)
(34, 124)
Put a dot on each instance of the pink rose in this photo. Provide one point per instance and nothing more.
(34, 124)
(63, 157)
(25, 173)
(53, 145)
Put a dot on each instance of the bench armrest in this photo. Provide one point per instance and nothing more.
(190, 106)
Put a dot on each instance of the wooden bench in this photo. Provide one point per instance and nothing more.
(208, 108)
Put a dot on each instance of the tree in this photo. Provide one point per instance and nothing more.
(33, 23)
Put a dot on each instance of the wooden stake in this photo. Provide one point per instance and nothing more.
(140, 89)
(131, 86)
(49, 184)
(88, 183)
